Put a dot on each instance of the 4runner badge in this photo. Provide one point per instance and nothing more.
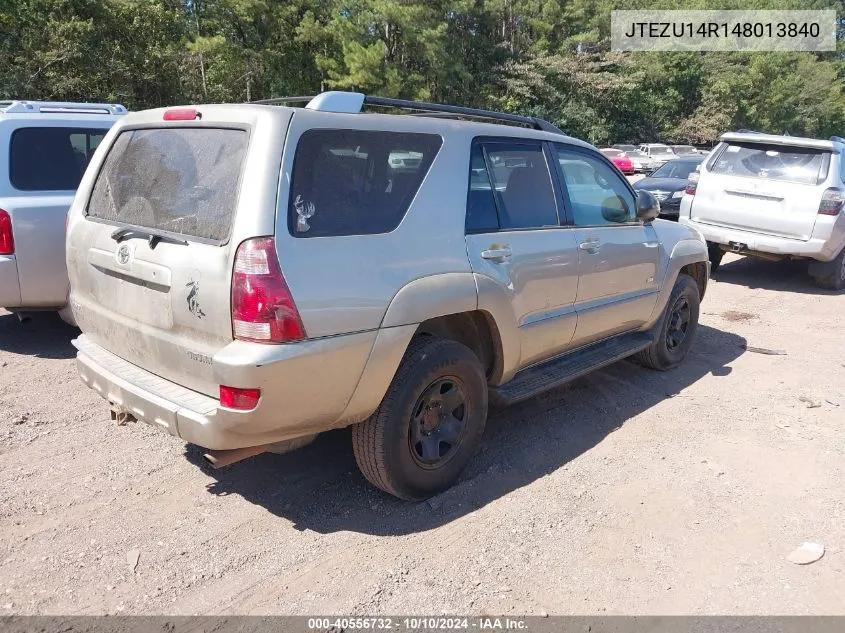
(193, 299)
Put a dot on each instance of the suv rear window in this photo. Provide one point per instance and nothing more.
(179, 180)
(51, 158)
(356, 182)
(800, 165)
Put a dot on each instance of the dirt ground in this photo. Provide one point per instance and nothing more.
(629, 491)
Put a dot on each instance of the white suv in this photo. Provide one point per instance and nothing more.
(773, 197)
(44, 150)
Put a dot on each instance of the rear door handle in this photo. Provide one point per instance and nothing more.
(497, 253)
(591, 245)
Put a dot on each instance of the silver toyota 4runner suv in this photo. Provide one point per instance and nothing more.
(44, 149)
(247, 276)
(773, 197)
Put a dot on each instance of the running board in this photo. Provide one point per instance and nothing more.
(535, 380)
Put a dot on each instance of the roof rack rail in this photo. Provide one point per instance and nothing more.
(59, 107)
(352, 102)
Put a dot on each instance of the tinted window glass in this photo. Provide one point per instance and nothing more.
(676, 169)
(481, 206)
(523, 187)
(180, 180)
(775, 162)
(356, 182)
(51, 158)
(596, 193)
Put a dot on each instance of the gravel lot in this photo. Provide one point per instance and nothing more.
(629, 491)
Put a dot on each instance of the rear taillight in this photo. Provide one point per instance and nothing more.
(7, 242)
(692, 183)
(237, 398)
(263, 310)
(832, 202)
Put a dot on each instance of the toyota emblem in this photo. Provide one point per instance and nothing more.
(122, 255)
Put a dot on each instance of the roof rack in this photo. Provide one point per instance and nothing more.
(352, 102)
(59, 107)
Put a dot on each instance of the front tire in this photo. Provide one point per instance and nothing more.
(836, 279)
(676, 329)
(429, 423)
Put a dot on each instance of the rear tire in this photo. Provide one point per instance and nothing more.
(835, 280)
(676, 329)
(429, 423)
(715, 254)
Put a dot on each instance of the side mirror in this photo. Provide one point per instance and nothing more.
(648, 208)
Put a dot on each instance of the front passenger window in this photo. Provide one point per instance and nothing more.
(597, 194)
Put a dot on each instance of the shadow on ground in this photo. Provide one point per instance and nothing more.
(319, 487)
(41, 334)
(785, 275)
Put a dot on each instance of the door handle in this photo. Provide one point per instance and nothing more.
(591, 245)
(497, 253)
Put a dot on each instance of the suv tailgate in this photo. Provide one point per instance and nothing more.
(151, 239)
(763, 187)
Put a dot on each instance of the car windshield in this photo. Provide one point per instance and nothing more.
(676, 169)
(626, 148)
(612, 152)
(635, 153)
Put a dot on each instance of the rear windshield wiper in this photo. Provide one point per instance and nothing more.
(118, 235)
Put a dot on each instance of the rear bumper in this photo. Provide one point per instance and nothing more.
(822, 250)
(305, 389)
(10, 289)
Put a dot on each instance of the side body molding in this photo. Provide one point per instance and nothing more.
(495, 300)
(422, 299)
(429, 297)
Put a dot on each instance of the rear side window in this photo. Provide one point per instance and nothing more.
(798, 165)
(51, 158)
(481, 205)
(522, 185)
(356, 182)
(178, 180)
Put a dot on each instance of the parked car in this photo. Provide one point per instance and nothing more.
(658, 152)
(619, 159)
(668, 183)
(684, 150)
(773, 197)
(44, 149)
(642, 163)
(243, 311)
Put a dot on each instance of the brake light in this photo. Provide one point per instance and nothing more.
(181, 114)
(832, 202)
(7, 242)
(237, 398)
(692, 183)
(263, 310)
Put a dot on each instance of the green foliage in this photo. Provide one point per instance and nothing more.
(550, 58)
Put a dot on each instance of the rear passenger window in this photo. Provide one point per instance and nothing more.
(481, 205)
(51, 158)
(522, 185)
(356, 182)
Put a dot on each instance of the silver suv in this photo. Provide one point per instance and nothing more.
(773, 197)
(44, 149)
(247, 276)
